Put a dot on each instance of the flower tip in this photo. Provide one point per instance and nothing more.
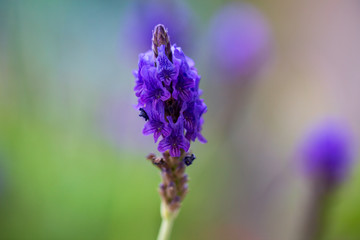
(161, 37)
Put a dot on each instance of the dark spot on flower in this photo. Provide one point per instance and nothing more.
(188, 160)
(143, 114)
(172, 108)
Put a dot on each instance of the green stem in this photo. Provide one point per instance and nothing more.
(168, 218)
(165, 229)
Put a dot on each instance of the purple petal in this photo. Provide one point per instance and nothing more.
(164, 145)
(175, 151)
(148, 128)
(186, 95)
(175, 94)
(166, 131)
(184, 144)
(157, 134)
(166, 95)
(201, 138)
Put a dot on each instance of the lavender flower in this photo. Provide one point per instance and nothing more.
(239, 40)
(168, 94)
(327, 153)
(167, 87)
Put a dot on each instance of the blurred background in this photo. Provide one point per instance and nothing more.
(72, 153)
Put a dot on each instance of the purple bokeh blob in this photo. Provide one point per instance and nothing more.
(240, 41)
(327, 152)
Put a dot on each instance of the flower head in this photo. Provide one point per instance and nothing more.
(167, 87)
(327, 153)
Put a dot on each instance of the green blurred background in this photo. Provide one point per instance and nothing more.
(72, 156)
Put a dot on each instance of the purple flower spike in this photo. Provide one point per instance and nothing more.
(176, 140)
(167, 87)
(169, 98)
(240, 41)
(327, 153)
